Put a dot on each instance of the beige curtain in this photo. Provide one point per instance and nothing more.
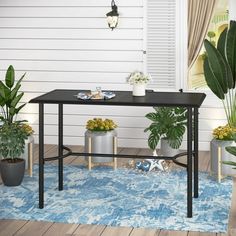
(199, 17)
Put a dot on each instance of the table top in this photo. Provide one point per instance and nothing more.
(124, 98)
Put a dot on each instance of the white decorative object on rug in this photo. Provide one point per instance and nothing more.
(139, 89)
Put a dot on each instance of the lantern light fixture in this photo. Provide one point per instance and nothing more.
(112, 16)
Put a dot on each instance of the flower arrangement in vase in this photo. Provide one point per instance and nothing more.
(139, 81)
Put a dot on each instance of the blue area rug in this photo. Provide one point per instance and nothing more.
(120, 198)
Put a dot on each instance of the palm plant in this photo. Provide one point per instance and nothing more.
(10, 96)
(168, 123)
(220, 70)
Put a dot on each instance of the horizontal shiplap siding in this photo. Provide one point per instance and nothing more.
(66, 44)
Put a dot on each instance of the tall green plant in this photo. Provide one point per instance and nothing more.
(220, 70)
(10, 96)
(168, 123)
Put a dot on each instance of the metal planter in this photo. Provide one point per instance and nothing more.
(101, 142)
(218, 155)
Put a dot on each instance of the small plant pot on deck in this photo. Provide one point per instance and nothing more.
(12, 171)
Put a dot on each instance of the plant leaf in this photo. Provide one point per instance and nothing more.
(10, 77)
(212, 81)
(221, 42)
(217, 65)
(231, 48)
(231, 150)
(151, 116)
(153, 140)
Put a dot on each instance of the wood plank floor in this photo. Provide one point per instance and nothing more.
(32, 228)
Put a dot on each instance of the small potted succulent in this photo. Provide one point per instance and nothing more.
(12, 132)
(139, 81)
(102, 133)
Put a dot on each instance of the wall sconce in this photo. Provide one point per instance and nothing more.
(112, 16)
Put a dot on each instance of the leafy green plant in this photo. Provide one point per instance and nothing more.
(12, 136)
(12, 133)
(10, 96)
(168, 123)
(220, 70)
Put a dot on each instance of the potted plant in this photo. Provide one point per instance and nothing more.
(139, 82)
(222, 137)
(168, 124)
(220, 70)
(12, 132)
(220, 74)
(102, 133)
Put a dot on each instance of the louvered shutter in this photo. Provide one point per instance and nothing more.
(161, 55)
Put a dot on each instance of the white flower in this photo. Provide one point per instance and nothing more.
(138, 77)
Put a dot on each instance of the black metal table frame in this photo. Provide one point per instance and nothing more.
(192, 152)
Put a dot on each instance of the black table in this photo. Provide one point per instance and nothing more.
(192, 101)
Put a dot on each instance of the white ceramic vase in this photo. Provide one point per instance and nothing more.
(139, 89)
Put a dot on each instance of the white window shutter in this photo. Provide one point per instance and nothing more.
(160, 43)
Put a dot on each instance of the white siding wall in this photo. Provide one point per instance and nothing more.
(67, 44)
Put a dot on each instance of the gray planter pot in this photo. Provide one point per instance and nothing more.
(12, 173)
(101, 142)
(166, 149)
(218, 155)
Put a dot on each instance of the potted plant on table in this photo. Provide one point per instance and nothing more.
(139, 81)
(168, 125)
(220, 74)
(12, 133)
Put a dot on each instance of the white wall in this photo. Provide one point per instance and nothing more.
(66, 44)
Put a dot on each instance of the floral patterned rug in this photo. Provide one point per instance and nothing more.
(124, 197)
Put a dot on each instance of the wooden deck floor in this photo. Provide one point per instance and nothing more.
(32, 228)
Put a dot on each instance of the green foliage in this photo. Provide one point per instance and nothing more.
(10, 96)
(168, 123)
(12, 133)
(220, 70)
(12, 139)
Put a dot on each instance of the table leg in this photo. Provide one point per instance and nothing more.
(196, 152)
(60, 147)
(189, 164)
(41, 153)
